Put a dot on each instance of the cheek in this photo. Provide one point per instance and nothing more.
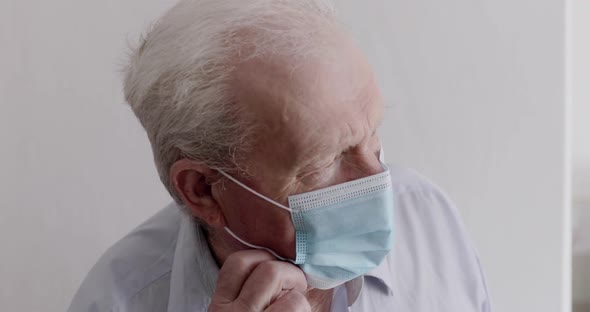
(256, 220)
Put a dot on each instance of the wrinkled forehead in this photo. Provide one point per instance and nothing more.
(310, 106)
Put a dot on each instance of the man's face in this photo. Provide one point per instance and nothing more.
(318, 121)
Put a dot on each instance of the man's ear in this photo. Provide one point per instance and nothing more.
(192, 182)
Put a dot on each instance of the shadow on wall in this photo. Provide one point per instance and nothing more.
(581, 256)
(581, 307)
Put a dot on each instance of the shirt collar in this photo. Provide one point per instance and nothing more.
(383, 275)
(194, 270)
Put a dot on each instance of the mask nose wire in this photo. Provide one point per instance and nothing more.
(254, 192)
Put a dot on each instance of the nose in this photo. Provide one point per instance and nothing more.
(365, 162)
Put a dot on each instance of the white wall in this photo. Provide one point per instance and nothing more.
(581, 150)
(76, 171)
(476, 89)
(581, 99)
(477, 103)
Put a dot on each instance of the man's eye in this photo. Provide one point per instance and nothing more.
(318, 176)
(315, 178)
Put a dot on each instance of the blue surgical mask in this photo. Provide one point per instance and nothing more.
(342, 231)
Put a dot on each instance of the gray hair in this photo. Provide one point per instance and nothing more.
(177, 81)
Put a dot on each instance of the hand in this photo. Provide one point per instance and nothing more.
(254, 281)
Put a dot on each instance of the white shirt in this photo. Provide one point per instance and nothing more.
(166, 265)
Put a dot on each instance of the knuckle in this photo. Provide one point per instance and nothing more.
(236, 261)
(299, 296)
(299, 273)
(298, 301)
(270, 268)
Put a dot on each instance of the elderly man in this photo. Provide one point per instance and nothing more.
(263, 118)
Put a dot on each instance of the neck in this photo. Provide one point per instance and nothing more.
(220, 246)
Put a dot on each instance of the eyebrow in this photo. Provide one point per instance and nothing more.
(324, 147)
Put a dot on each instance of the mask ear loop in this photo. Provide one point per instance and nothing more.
(254, 192)
(268, 200)
(257, 247)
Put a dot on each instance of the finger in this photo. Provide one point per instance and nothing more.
(234, 272)
(293, 301)
(267, 282)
